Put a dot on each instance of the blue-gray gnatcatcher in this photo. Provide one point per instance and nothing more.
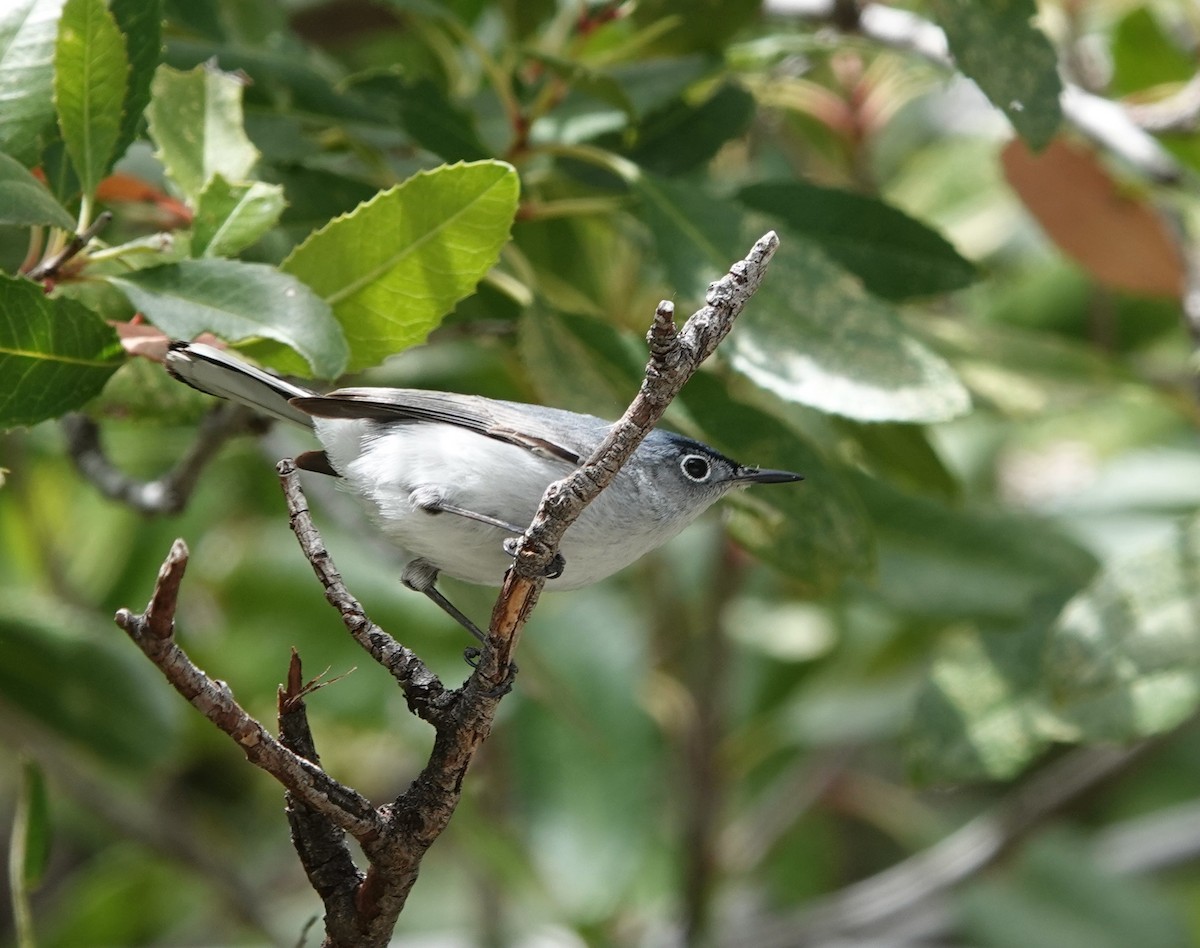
(450, 477)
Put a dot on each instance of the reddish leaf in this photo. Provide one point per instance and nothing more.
(1117, 237)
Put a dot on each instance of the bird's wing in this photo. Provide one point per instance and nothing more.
(503, 421)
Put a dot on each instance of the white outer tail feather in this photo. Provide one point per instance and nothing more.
(215, 372)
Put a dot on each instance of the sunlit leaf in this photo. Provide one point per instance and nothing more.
(196, 120)
(394, 266)
(811, 334)
(1123, 660)
(91, 74)
(231, 217)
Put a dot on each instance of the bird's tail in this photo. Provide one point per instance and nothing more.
(218, 373)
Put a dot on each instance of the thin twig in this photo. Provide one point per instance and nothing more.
(427, 697)
(163, 495)
(674, 357)
(48, 268)
(884, 902)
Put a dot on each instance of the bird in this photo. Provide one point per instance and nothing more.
(449, 478)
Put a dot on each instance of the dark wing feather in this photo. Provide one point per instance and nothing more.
(502, 421)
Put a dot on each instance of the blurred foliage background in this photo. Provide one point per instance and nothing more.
(945, 691)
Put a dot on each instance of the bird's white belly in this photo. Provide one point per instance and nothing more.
(399, 473)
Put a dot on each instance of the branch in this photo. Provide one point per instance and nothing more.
(674, 357)
(153, 632)
(427, 697)
(318, 841)
(164, 495)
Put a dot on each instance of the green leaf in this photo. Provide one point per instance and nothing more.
(811, 334)
(231, 217)
(140, 22)
(1144, 55)
(62, 668)
(894, 255)
(580, 77)
(238, 301)
(816, 530)
(91, 73)
(55, 354)
(427, 114)
(24, 200)
(1123, 660)
(579, 363)
(680, 137)
(394, 266)
(948, 564)
(31, 825)
(996, 45)
(27, 32)
(196, 120)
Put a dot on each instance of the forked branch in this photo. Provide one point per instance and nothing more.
(361, 908)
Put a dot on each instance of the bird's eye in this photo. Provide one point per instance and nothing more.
(696, 468)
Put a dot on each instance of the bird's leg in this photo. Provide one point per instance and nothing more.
(421, 575)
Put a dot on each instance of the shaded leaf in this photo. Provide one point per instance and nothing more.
(996, 45)
(27, 32)
(427, 114)
(140, 22)
(394, 266)
(231, 217)
(680, 137)
(1056, 894)
(950, 564)
(238, 301)
(894, 255)
(1120, 240)
(55, 354)
(91, 72)
(696, 24)
(24, 200)
(196, 120)
(816, 530)
(579, 363)
(62, 668)
(811, 334)
(582, 78)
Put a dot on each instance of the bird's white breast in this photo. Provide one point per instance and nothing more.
(397, 467)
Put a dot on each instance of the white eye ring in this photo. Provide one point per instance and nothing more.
(696, 467)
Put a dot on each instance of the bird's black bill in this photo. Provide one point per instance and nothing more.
(754, 475)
